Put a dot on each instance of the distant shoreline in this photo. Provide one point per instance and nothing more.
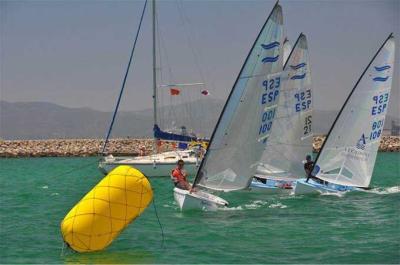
(121, 147)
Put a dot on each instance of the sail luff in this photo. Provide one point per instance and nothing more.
(233, 107)
(330, 172)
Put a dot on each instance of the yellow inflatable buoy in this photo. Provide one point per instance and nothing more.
(104, 212)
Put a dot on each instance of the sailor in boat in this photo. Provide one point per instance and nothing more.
(308, 166)
(179, 176)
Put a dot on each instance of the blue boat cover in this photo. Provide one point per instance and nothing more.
(161, 135)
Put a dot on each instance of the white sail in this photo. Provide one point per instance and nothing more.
(287, 48)
(348, 155)
(244, 125)
(291, 135)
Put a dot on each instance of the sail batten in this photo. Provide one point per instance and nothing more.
(348, 154)
(235, 145)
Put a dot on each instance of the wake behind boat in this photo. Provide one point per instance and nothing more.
(243, 128)
(347, 158)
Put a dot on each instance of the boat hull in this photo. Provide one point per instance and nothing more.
(150, 169)
(272, 186)
(158, 165)
(313, 187)
(198, 200)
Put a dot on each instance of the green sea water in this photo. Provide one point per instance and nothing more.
(36, 193)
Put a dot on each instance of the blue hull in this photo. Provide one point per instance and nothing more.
(312, 186)
(272, 186)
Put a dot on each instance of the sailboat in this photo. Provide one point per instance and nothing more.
(243, 129)
(159, 164)
(291, 135)
(347, 157)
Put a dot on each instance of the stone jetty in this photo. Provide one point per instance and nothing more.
(123, 147)
(76, 147)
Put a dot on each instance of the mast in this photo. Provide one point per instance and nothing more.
(154, 73)
(344, 105)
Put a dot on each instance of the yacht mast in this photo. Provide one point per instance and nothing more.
(154, 73)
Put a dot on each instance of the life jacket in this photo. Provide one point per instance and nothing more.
(177, 176)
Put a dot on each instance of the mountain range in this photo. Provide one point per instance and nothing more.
(43, 120)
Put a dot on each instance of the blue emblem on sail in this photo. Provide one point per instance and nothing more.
(380, 79)
(298, 66)
(361, 143)
(382, 68)
(270, 59)
(270, 45)
(298, 76)
(315, 170)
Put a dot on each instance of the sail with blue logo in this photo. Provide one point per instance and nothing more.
(291, 136)
(349, 153)
(244, 126)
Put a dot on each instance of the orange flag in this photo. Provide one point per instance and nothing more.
(174, 91)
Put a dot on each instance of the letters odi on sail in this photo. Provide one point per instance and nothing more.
(349, 154)
(246, 120)
(291, 138)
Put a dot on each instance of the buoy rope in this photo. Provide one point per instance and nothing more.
(62, 249)
(159, 222)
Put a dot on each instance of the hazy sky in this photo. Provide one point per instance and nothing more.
(74, 53)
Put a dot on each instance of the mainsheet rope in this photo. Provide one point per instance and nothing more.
(125, 78)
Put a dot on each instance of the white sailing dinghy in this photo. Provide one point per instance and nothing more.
(347, 157)
(291, 136)
(243, 128)
(158, 164)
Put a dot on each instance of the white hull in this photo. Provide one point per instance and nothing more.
(159, 165)
(313, 187)
(199, 200)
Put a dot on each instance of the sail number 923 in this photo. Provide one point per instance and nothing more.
(271, 87)
(303, 100)
(380, 104)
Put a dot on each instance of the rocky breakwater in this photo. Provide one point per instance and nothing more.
(388, 143)
(126, 146)
(72, 147)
